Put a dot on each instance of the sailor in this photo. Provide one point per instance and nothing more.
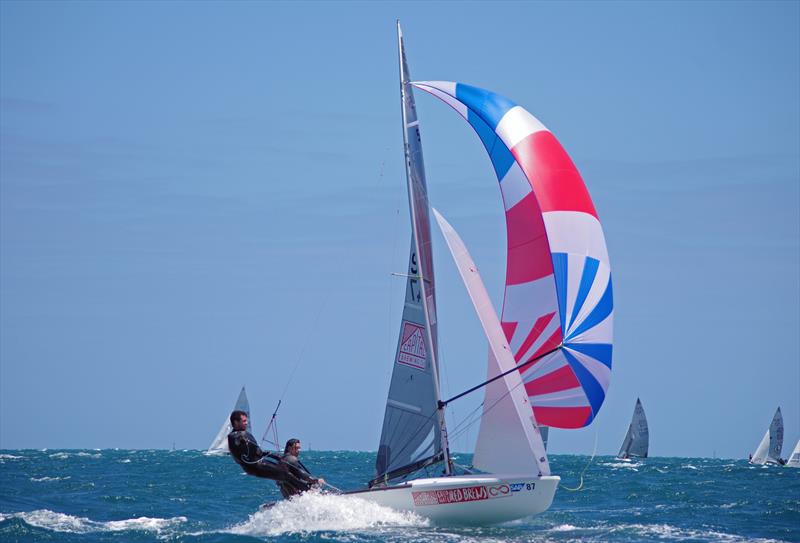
(290, 456)
(246, 452)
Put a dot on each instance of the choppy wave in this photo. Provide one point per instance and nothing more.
(668, 532)
(626, 465)
(81, 454)
(314, 512)
(60, 522)
(4, 457)
(48, 479)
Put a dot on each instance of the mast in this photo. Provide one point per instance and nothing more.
(412, 128)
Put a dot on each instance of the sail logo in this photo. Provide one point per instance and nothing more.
(412, 351)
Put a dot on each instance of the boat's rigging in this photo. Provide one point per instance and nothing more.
(273, 425)
(443, 403)
(589, 463)
(273, 421)
(466, 423)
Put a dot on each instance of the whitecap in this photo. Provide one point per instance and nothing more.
(4, 457)
(61, 522)
(48, 479)
(665, 531)
(125, 461)
(314, 511)
(626, 465)
(564, 528)
(60, 455)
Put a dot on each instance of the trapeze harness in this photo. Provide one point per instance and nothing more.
(292, 478)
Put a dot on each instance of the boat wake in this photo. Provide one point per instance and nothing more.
(317, 512)
(61, 522)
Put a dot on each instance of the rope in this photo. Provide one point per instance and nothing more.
(580, 486)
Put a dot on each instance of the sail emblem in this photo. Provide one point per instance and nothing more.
(412, 350)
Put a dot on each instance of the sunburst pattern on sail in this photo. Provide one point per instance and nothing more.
(558, 278)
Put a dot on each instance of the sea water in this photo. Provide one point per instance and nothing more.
(156, 495)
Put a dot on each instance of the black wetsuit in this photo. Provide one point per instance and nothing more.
(290, 488)
(245, 450)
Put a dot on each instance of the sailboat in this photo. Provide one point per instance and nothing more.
(220, 444)
(794, 459)
(769, 450)
(549, 359)
(637, 440)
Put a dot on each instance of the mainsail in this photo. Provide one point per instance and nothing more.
(220, 443)
(507, 416)
(558, 294)
(794, 459)
(413, 434)
(769, 450)
(637, 440)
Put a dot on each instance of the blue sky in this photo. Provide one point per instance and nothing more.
(196, 196)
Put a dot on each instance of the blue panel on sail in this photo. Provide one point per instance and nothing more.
(490, 106)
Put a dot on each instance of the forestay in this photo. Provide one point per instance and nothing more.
(637, 440)
(412, 434)
(558, 292)
(220, 443)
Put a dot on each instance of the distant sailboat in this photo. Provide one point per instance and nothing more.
(769, 450)
(794, 459)
(220, 444)
(637, 440)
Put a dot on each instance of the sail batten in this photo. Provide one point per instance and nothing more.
(558, 277)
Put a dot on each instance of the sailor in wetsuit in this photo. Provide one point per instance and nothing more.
(291, 455)
(245, 450)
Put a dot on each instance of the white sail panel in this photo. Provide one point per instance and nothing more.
(794, 459)
(769, 449)
(507, 416)
(637, 440)
(220, 443)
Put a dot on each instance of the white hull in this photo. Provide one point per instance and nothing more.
(469, 499)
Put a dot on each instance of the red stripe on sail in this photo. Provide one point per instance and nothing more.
(528, 249)
(555, 180)
(562, 417)
(555, 381)
(509, 328)
(552, 342)
(538, 327)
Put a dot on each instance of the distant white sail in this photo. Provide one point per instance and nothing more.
(220, 443)
(637, 440)
(794, 459)
(769, 450)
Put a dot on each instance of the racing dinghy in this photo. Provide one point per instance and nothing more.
(549, 358)
(769, 450)
(637, 440)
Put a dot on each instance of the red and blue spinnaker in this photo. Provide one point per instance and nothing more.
(558, 294)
